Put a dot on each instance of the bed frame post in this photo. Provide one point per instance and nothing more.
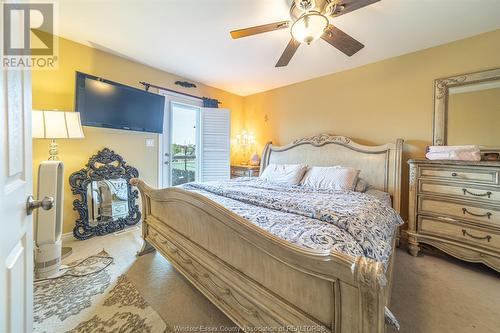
(146, 209)
(369, 275)
(145, 248)
(265, 157)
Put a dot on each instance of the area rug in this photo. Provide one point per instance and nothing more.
(104, 301)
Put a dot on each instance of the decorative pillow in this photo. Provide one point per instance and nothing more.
(284, 173)
(361, 185)
(331, 178)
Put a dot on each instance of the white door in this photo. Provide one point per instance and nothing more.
(179, 146)
(16, 234)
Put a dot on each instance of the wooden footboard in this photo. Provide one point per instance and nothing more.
(257, 279)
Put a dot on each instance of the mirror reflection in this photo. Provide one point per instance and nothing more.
(474, 114)
(107, 200)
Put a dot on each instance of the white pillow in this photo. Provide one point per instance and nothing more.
(284, 173)
(331, 178)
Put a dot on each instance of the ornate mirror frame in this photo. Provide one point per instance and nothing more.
(106, 164)
(441, 92)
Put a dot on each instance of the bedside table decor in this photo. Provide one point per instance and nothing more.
(254, 159)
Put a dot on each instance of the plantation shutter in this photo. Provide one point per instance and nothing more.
(215, 144)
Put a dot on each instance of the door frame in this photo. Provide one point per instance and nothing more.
(164, 138)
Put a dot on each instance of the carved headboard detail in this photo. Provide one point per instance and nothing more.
(380, 165)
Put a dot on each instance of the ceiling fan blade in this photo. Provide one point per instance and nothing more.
(259, 29)
(290, 50)
(342, 41)
(352, 5)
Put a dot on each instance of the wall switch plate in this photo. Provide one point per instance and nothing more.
(150, 142)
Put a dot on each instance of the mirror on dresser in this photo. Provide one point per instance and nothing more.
(467, 110)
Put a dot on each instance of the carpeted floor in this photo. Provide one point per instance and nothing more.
(434, 293)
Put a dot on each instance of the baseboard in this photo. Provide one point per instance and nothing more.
(67, 237)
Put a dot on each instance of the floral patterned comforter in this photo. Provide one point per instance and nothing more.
(354, 223)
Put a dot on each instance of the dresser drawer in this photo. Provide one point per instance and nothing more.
(461, 191)
(477, 175)
(483, 214)
(459, 232)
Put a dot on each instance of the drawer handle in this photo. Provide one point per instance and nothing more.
(487, 214)
(487, 194)
(454, 174)
(487, 237)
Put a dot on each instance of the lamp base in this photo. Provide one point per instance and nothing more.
(53, 150)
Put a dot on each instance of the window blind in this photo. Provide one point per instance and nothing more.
(215, 144)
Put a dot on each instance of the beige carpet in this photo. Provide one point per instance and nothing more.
(431, 294)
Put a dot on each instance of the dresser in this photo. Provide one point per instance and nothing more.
(455, 207)
(244, 171)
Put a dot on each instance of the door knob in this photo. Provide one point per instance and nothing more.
(31, 204)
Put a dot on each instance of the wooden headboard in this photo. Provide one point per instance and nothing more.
(380, 165)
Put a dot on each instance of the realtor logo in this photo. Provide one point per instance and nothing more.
(28, 36)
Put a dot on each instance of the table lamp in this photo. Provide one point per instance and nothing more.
(56, 125)
(245, 140)
(48, 225)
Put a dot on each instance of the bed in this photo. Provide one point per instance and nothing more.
(262, 281)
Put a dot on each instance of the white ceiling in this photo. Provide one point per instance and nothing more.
(191, 38)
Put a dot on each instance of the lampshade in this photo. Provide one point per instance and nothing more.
(309, 27)
(56, 125)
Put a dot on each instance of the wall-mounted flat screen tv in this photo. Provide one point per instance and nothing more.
(104, 103)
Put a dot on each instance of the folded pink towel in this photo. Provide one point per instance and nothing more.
(445, 149)
(455, 156)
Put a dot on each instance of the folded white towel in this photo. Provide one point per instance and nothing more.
(443, 149)
(455, 156)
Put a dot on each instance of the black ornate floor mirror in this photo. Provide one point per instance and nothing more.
(106, 201)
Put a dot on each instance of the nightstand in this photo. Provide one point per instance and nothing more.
(244, 171)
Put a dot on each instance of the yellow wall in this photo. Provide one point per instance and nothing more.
(54, 89)
(373, 104)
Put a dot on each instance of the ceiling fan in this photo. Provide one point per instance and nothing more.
(311, 21)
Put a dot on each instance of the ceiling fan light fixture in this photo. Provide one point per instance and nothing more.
(309, 27)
